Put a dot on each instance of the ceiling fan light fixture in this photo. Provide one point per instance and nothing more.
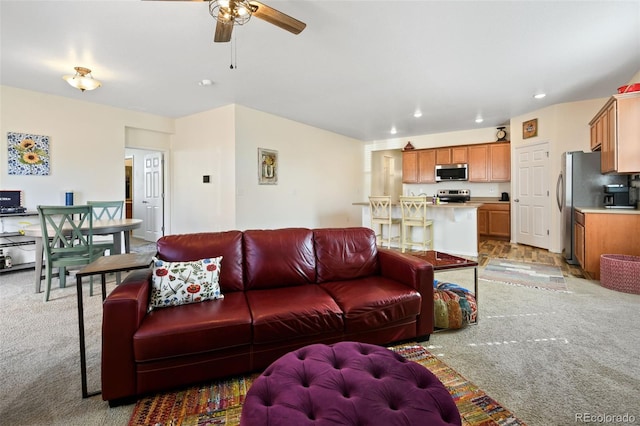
(82, 79)
(236, 11)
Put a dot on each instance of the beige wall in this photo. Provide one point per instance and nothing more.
(319, 175)
(204, 144)
(87, 143)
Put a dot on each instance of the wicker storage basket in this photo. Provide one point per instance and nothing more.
(620, 272)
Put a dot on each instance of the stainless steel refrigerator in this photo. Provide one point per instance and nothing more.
(580, 184)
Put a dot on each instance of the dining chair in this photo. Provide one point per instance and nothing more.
(67, 238)
(414, 215)
(106, 210)
(380, 209)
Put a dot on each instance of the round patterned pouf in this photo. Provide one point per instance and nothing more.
(347, 383)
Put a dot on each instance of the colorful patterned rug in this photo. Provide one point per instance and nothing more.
(534, 275)
(220, 403)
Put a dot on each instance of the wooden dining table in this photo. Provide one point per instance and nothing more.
(115, 227)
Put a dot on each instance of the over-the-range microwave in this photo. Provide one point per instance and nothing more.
(451, 172)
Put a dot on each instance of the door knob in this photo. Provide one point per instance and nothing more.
(145, 202)
(516, 200)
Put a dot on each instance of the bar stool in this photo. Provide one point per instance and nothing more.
(380, 208)
(414, 215)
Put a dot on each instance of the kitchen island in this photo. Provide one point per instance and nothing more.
(455, 226)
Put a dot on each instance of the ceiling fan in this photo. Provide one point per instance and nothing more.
(238, 12)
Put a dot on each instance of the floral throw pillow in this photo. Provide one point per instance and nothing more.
(181, 283)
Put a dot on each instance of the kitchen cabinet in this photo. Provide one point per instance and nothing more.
(494, 221)
(409, 166)
(478, 163)
(427, 166)
(615, 130)
(500, 162)
(598, 132)
(579, 235)
(605, 233)
(418, 166)
(490, 162)
(451, 155)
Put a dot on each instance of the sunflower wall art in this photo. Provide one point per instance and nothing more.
(28, 154)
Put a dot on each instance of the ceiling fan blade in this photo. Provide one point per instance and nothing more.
(223, 32)
(277, 18)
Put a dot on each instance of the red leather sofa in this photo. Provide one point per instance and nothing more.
(283, 289)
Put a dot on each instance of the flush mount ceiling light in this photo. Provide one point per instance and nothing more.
(417, 114)
(539, 95)
(82, 79)
(479, 120)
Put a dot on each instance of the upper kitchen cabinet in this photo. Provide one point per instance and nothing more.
(615, 130)
(409, 166)
(419, 166)
(500, 162)
(451, 155)
(479, 163)
(490, 162)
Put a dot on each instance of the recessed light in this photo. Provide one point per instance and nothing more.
(417, 114)
(393, 130)
(479, 120)
(539, 95)
(205, 83)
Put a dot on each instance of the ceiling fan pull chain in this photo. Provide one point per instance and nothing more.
(233, 48)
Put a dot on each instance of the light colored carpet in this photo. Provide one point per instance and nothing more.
(547, 356)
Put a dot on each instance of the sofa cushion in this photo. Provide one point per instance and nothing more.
(193, 329)
(279, 258)
(181, 283)
(345, 253)
(373, 302)
(180, 248)
(286, 313)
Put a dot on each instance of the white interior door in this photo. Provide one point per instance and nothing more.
(153, 200)
(531, 200)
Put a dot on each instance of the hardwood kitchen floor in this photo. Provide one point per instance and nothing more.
(494, 249)
(490, 249)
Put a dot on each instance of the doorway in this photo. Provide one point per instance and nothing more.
(531, 200)
(147, 191)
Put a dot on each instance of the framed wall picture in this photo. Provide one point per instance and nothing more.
(28, 154)
(267, 166)
(530, 128)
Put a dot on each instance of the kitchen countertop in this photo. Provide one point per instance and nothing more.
(605, 210)
(474, 203)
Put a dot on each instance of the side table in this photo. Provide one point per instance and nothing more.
(103, 266)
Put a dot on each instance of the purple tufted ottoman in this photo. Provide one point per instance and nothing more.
(347, 383)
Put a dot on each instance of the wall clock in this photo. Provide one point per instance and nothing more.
(501, 134)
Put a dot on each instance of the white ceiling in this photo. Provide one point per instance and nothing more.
(359, 68)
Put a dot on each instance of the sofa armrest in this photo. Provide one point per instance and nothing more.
(415, 273)
(122, 313)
